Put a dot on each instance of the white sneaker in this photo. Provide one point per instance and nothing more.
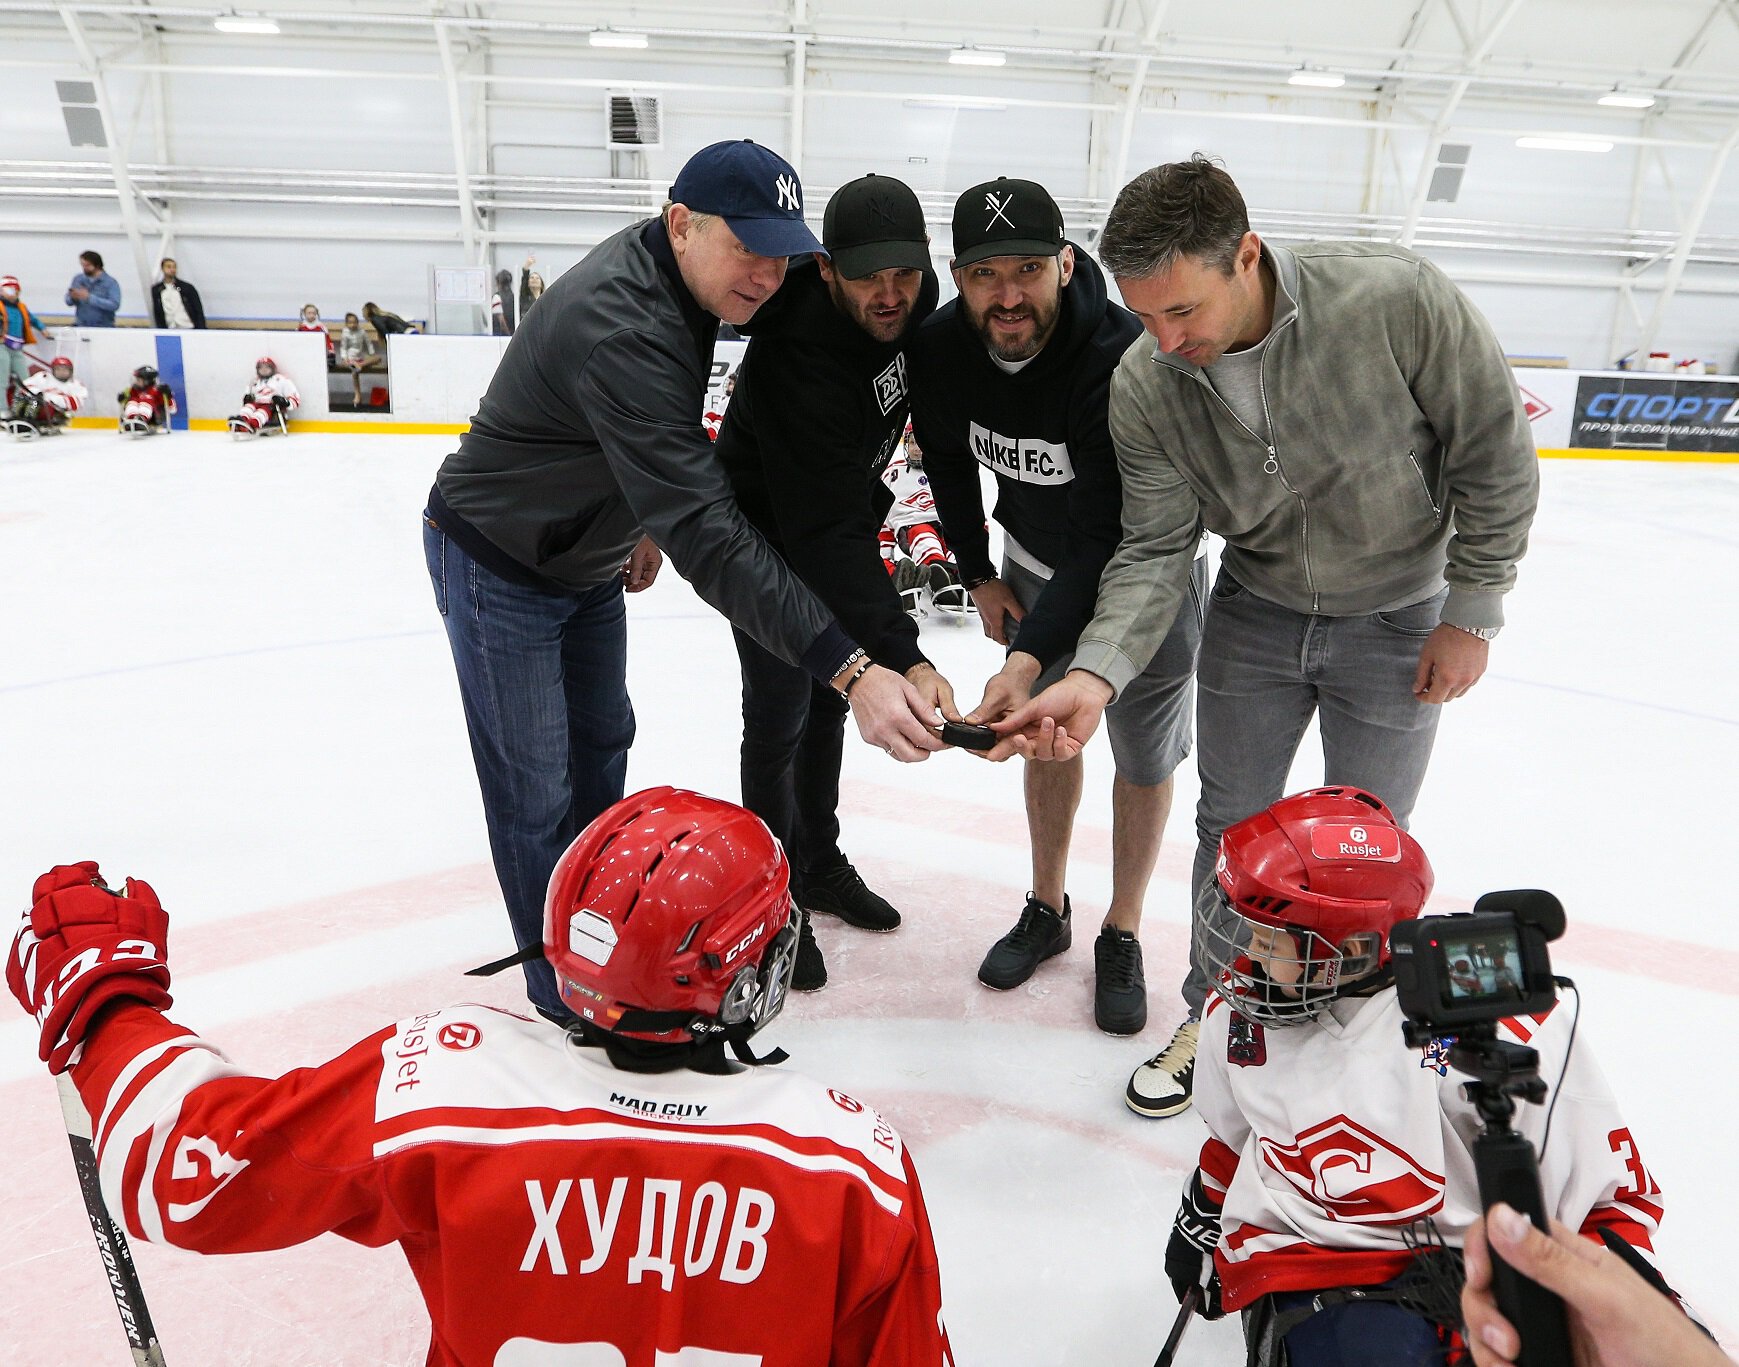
(1165, 1084)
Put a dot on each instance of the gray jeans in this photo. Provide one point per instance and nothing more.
(1264, 670)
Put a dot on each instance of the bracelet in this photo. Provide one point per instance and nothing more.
(858, 673)
(970, 584)
(858, 654)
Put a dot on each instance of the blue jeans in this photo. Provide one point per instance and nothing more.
(793, 746)
(1359, 1334)
(543, 677)
(1264, 671)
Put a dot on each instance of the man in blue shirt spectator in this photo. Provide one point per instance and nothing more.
(94, 294)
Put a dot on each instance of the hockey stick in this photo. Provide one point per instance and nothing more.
(1191, 1299)
(111, 1243)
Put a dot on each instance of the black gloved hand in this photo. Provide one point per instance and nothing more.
(1195, 1233)
(279, 402)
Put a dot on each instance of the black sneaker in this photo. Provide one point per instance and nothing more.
(840, 892)
(1119, 990)
(810, 972)
(1039, 934)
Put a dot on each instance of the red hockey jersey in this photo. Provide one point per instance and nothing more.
(1328, 1139)
(555, 1211)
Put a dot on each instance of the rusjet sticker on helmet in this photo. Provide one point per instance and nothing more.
(1355, 840)
(592, 937)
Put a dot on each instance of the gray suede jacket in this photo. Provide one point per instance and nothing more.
(1401, 458)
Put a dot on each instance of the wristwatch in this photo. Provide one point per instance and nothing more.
(1484, 633)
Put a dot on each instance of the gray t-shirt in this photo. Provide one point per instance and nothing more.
(1237, 378)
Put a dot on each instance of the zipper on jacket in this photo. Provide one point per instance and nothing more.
(1436, 509)
(1274, 460)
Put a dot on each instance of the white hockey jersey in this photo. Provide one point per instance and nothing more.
(66, 395)
(913, 502)
(1328, 1139)
(263, 392)
(553, 1209)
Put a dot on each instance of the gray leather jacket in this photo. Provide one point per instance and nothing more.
(1400, 459)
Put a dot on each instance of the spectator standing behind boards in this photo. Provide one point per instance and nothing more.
(1344, 417)
(356, 352)
(174, 302)
(530, 285)
(585, 461)
(94, 294)
(310, 322)
(501, 304)
(21, 330)
(386, 324)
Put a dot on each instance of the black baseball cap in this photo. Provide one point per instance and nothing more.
(874, 223)
(755, 191)
(1004, 217)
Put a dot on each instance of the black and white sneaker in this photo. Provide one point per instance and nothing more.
(1119, 989)
(809, 973)
(840, 891)
(1165, 1084)
(1041, 933)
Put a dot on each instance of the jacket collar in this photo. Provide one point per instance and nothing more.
(701, 325)
(1284, 263)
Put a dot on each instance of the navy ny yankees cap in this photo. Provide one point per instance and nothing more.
(875, 223)
(754, 190)
(1004, 217)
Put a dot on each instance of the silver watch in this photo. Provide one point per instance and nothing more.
(1484, 633)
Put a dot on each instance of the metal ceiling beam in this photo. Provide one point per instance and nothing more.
(1137, 83)
(1687, 239)
(461, 157)
(1476, 55)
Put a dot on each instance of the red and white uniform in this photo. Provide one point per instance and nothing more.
(555, 1211)
(149, 403)
(1328, 1139)
(67, 396)
(259, 410)
(911, 524)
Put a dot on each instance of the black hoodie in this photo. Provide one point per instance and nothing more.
(1042, 432)
(818, 409)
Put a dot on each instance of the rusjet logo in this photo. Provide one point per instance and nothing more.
(1355, 1176)
(1026, 459)
(1351, 840)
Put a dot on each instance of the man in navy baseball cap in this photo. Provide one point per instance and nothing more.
(754, 190)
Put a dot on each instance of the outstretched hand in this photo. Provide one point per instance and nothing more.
(1057, 723)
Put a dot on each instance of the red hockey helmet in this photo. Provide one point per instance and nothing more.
(57, 363)
(9, 282)
(670, 918)
(1333, 869)
(271, 367)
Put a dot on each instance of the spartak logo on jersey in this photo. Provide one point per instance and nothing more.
(1355, 1176)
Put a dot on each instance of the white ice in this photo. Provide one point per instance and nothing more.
(221, 670)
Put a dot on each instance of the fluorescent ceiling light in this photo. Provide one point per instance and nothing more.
(248, 23)
(955, 102)
(1625, 99)
(609, 37)
(1566, 144)
(977, 56)
(1325, 80)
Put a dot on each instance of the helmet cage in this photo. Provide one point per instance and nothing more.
(1322, 970)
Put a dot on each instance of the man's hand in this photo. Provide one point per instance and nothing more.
(80, 293)
(1007, 689)
(998, 609)
(1057, 723)
(1450, 664)
(642, 566)
(1616, 1319)
(892, 715)
(82, 946)
(936, 691)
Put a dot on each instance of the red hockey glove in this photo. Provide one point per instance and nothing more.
(82, 946)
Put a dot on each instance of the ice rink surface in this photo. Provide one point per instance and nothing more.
(221, 670)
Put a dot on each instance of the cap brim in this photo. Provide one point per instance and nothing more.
(1008, 246)
(869, 257)
(775, 236)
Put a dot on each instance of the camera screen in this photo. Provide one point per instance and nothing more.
(1484, 965)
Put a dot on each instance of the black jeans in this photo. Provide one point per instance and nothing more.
(793, 744)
